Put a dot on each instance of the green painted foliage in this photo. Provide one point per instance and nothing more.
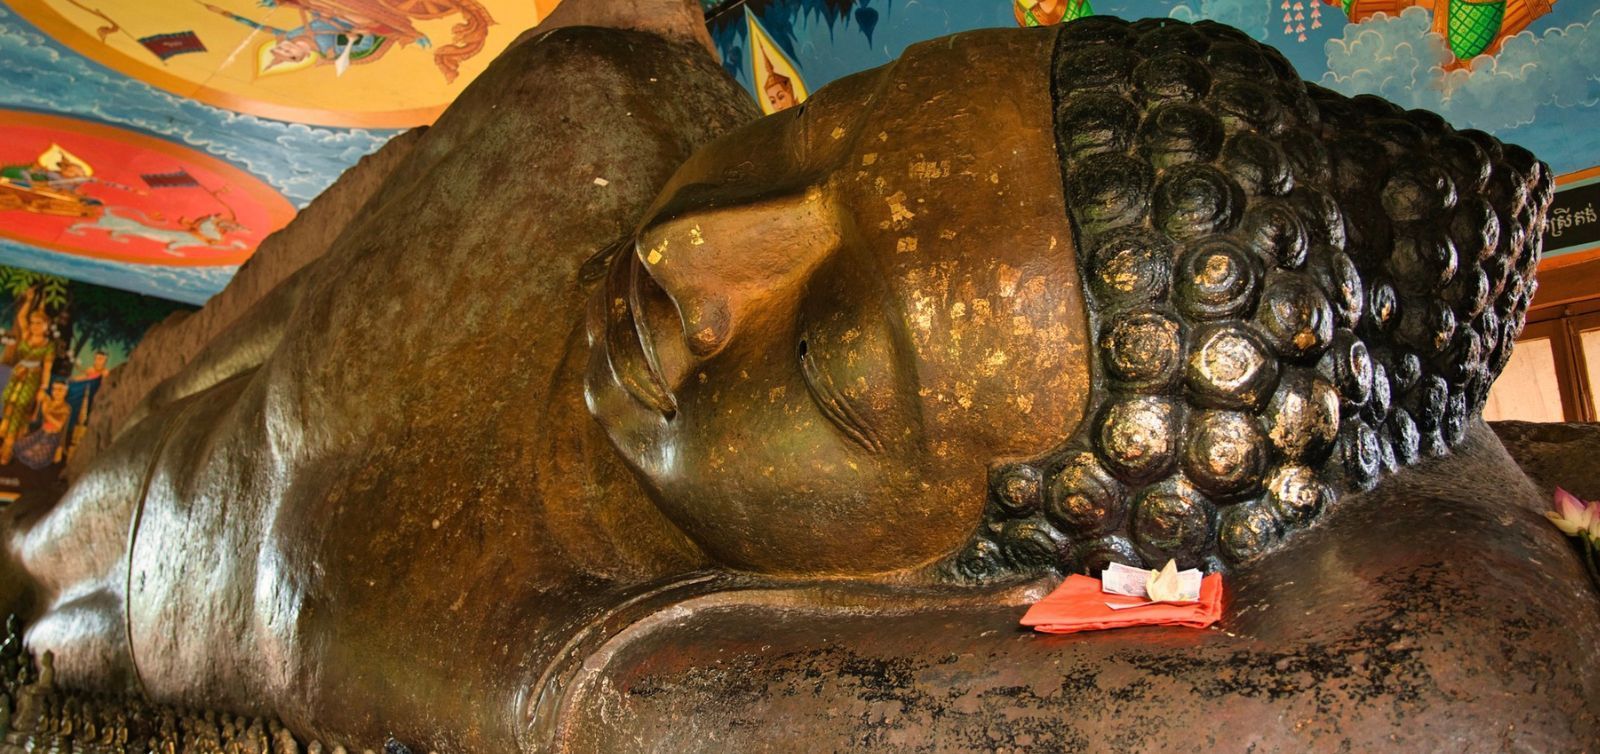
(15, 281)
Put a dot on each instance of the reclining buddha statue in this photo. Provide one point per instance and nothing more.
(620, 419)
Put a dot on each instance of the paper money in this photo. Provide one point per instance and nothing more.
(1125, 580)
(1135, 582)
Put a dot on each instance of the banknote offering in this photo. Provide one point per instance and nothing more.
(1168, 585)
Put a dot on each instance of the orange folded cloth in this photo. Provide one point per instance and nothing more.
(1079, 605)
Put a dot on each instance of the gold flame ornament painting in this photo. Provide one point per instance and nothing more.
(778, 82)
(357, 63)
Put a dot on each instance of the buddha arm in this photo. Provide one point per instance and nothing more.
(237, 349)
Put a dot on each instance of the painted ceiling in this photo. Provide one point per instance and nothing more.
(150, 145)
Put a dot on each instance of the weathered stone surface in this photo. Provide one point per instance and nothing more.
(1437, 613)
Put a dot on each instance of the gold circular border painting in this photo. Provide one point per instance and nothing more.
(350, 63)
(87, 189)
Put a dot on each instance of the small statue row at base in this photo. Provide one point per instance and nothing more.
(35, 716)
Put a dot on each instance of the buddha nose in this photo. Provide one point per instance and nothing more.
(723, 266)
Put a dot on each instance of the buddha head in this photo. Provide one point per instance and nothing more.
(1042, 300)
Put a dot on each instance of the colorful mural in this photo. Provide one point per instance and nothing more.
(375, 63)
(259, 104)
(79, 187)
(777, 84)
(58, 341)
(1523, 70)
(1469, 28)
(1046, 12)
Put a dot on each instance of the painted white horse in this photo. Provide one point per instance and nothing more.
(208, 232)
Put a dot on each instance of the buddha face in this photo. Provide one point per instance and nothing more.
(836, 319)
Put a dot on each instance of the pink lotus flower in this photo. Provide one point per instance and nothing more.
(1576, 518)
(1573, 517)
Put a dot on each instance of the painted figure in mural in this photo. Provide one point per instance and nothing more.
(31, 352)
(96, 369)
(88, 382)
(347, 32)
(776, 80)
(778, 89)
(52, 184)
(208, 231)
(1023, 303)
(56, 169)
(42, 447)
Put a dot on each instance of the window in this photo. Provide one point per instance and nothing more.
(1554, 372)
(1529, 388)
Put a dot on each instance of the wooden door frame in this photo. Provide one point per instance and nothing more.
(1576, 325)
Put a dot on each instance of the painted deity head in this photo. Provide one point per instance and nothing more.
(1044, 300)
(290, 50)
(778, 89)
